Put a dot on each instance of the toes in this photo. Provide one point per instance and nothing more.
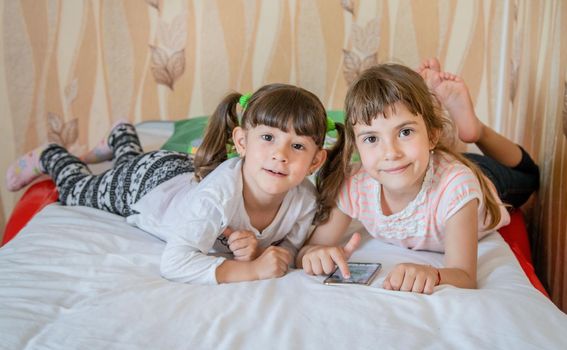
(434, 64)
(430, 63)
(450, 77)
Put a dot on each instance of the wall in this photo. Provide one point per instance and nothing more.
(70, 68)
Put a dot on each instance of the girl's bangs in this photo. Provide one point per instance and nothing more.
(371, 99)
(282, 109)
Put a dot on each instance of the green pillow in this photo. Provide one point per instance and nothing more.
(188, 134)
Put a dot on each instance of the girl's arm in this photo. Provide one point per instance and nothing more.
(321, 253)
(461, 245)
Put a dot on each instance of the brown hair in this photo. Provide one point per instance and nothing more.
(379, 88)
(279, 106)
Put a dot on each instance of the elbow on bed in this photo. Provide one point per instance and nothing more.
(172, 274)
(168, 273)
(186, 270)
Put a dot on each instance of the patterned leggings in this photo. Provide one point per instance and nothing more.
(132, 175)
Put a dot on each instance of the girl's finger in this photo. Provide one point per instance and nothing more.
(409, 279)
(316, 266)
(429, 285)
(239, 244)
(306, 263)
(238, 235)
(339, 259)
(396, 277)
(328, 264)
(419, 283)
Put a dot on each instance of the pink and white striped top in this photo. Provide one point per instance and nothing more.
(448, 185)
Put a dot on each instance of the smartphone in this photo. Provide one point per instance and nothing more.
(360, 273)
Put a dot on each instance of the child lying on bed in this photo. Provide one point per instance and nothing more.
(258, 206)
(413, 190)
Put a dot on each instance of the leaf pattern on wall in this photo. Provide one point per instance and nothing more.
(348, 5)
(71, 92)
(60, 132)
(365, 42)
(167, 68)
(353, 65)
(153, 3)
(172, 36)
(168, 59)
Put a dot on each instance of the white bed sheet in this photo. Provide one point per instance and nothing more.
(79, 278)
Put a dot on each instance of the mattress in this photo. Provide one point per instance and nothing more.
(79, 278)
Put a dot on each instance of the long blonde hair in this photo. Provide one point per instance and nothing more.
(376, 91)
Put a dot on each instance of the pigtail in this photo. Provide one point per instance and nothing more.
(491, 203)
(331, 176)
(213, 149)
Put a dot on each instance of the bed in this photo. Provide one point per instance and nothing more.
(79, 278)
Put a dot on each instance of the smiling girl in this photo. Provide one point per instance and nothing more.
(255, 209)
(412, 189)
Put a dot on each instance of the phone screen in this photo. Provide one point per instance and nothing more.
(360, 273)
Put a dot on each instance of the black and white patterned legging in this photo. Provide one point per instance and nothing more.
(132, 175)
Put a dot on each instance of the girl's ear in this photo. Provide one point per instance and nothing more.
(239, 138)
(434, 139)
(318, 160)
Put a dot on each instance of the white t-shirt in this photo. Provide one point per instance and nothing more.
(191, 217)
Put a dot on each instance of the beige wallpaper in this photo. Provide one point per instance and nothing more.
(69, 68)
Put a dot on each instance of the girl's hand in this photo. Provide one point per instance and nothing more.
(319, 260)
(243, 244)
(409, 277)
(273, 262)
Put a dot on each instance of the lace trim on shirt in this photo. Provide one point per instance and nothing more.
(410, 222)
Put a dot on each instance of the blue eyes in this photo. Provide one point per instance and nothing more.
(406, 132)
(267, 137)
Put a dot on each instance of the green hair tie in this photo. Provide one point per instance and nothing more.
(331, 124)
(231, 151)
(244, 99)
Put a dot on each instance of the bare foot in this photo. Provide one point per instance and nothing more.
(454, 95)
(429, 70)
(24, 170)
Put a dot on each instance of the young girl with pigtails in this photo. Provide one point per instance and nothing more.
(412, 189)
(256, 208)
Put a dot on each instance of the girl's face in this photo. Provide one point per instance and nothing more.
(276, 161)
(395, 150)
